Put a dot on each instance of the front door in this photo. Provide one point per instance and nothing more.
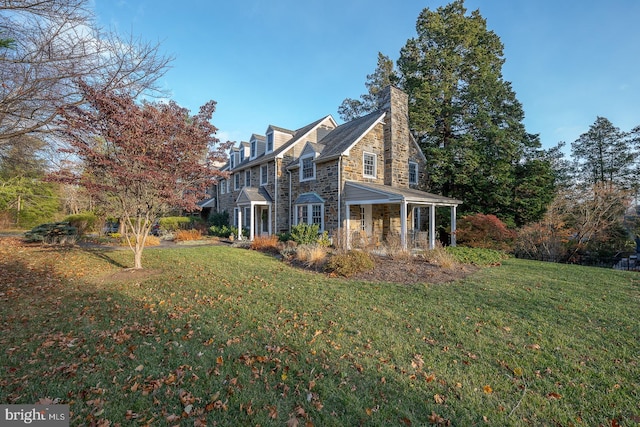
(264, 220)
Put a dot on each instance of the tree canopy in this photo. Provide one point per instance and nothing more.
(466, 117)
(143, 159)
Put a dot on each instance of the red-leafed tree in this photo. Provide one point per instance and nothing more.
(141, 159)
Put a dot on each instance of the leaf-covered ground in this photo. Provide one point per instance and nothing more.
(222, 336)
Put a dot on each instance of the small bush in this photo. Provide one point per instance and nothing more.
(83, 222)
(186, 235)
(305, 234)
(441, 257)
(349, 263)
(173, 223)
(220, 231)
(61, 233)
(484, 231)
(265, 243)
(312, 255)
(476, 256)
(219, 219)
(285, 237)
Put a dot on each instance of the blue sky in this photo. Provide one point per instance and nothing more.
(290, 62)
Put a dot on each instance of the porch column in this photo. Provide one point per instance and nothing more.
(432, 226)
(453, 225)
(239, 222)
(252, 223)
(403, 224)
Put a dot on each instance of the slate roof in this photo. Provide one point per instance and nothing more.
(306, 198)
(344, 136)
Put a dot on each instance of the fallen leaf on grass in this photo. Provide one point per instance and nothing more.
(438, 398)
(487, 389)
(554, 395)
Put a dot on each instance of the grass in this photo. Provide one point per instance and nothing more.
(235, 337)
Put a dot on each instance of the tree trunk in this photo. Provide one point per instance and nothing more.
(137, 256)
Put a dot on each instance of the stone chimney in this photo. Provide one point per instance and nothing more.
(396, 136)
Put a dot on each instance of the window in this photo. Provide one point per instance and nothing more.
(223, 185)
(307, 168)
(246, 218)
(247, 178)
(316, 215)
(264, 174)
(416, 219)
(235, 216)
(254, 149)
(363, 219)
(236, 181)
(242, 155)
(269, 142)
(232, 161)
(369, 165)
(413, 173)
(303, 214)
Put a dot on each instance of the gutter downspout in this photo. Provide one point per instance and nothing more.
(290, 213)
(340, 192)
(275, 198)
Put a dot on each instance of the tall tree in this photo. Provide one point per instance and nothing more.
(47, 46)
(144, 159)
(603, 155)
(463, 113)
(383, 76)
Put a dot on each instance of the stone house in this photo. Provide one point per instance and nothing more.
(362, 176)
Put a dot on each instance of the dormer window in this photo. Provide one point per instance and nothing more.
(269, 142)
(307, 168)
(232, 163)
(413, 173)
(254, 149)
(242, 155)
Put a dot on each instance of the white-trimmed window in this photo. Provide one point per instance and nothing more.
(236, 181)
(232, 158)
(235, 217)
(363, 219)
(223, 186)
(264, 174)
(413, 173)
(254, 149)
(269, 142)
(369, 163)
(247, 178)
(242, 154)
(246, 217)
(312, 213)
(307, 168)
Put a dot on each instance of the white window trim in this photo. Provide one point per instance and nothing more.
(236, 181)
(310, 206)
(313, 166)
(253, 150)
(375, 165)
(223, 183)
(232, 163)
(264, 175)
(413, 164)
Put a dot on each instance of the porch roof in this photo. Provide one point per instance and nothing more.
(377, 193)
(208, 203)
(250, 195)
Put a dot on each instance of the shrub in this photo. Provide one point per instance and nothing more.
(83, 222)
(219, 219)
(265, 243)
(441, 257)
(305, 234)
(349, 263)
(484, 231)
(186, 235)
(53, 233)
(476, 256)
(284, 237)
(173, 223)
(312, 255)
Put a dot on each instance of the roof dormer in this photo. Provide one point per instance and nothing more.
(256, 146)
(276, 137)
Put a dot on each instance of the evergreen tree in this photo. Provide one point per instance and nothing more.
(383, 76)
(466, 116)
(603, 155)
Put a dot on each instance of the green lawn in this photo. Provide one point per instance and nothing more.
(237, 337)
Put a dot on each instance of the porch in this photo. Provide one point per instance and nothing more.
(379, 213)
